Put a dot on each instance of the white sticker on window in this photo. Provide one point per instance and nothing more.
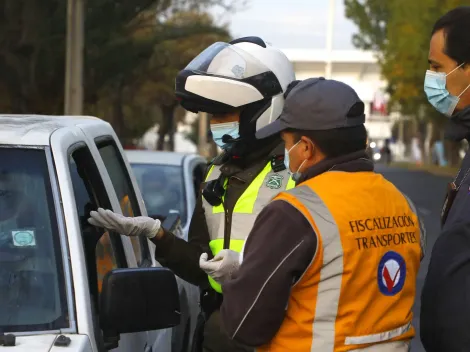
(23, 238)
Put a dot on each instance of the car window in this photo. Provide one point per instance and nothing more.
(125, 192)
(103, 250)
(162, 188)
(32, 283)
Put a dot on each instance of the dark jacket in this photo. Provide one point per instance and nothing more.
(445, 299)
(253, 314)
(183, 257)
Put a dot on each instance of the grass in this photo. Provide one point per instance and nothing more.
(434, 169)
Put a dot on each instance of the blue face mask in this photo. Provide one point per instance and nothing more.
(221, 129)
(296, 175)
(437, 93)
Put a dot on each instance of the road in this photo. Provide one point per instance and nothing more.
(427, 192)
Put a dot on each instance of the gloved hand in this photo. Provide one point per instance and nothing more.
(222, 266)
(137, 226)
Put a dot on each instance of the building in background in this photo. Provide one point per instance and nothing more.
(357, 68)
(361, 71)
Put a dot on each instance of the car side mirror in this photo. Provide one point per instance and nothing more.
(137, 299)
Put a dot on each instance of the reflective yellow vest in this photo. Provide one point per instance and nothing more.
(258, 194)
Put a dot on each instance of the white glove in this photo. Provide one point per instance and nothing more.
(137, 226)
(222, 266)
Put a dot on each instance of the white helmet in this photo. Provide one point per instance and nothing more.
(245, 73)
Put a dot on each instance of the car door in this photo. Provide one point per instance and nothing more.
(91, 188)
(130, 204)
(62, 142)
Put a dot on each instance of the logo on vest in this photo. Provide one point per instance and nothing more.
(391, 273)
(275, 181)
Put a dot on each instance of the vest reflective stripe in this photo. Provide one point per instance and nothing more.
(376, 338)
(216, 246)
(359, 289)
(331, 272)
(258, 194)
(395, 346)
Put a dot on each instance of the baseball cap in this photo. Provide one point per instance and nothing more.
(317, 104)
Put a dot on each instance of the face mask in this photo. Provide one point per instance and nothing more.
(437, 93)
(296, 175)
(221, 129)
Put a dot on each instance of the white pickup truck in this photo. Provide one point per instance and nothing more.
(64, 284)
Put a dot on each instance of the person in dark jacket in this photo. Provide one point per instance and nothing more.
(241, 84)
(445, 303)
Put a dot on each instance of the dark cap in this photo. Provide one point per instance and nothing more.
(318, 104)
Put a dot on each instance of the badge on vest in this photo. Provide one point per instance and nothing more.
(391, 273)
(274, 181)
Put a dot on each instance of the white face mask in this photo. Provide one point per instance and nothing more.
(435, 87)
(296, 175)
(222, 129)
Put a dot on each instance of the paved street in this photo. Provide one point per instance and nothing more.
(427, 191)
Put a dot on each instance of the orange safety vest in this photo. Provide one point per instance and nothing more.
(359, 289)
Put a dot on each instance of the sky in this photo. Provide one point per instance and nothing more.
(292, 24)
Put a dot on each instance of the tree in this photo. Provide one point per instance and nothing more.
(399, 32)
(172, 56)
(32, 51)
(371, 17)
(132, 66)
(120, 39)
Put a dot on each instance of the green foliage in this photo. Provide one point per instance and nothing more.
(371, 17)
(133, 49)
(400, 31)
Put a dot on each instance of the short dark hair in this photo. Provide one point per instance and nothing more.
(337, 142)
(456, 27)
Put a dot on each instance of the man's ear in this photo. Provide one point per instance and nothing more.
(308, 146)
(466, 69)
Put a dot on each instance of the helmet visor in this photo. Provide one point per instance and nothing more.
(226, 60)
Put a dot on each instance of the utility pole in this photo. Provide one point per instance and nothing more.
(329, 40)
(73, 104)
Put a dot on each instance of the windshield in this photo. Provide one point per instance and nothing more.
(162, 188)
(32, 288)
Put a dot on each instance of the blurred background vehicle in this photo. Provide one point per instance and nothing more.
(170, 183)
(374, 152)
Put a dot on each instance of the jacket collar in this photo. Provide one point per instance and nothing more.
(458, 127)
(354, 162)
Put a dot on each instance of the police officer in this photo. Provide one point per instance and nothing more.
(241, 84)
(445, 305)
(330, 265)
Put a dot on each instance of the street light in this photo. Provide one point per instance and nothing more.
(73, 104)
